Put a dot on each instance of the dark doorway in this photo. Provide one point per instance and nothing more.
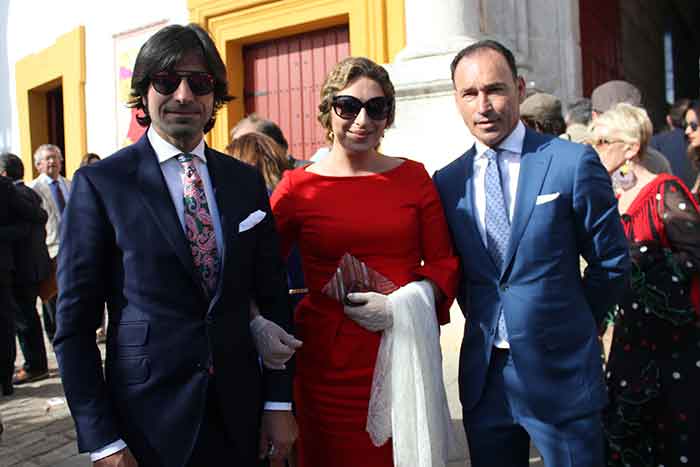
(600, 42)
(54, 113)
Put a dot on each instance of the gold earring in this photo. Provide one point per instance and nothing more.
(625, 168)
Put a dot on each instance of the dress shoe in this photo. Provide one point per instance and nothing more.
(23, 376)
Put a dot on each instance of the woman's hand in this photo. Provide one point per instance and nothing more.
(371, 310)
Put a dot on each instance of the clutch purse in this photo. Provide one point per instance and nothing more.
(352, 275)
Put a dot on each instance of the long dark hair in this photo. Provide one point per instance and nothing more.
(693, 153)
(163, 51)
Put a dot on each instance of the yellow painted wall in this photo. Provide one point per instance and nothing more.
(377, 30)
(62, 64)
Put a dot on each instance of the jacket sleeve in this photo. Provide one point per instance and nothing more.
(600, 235)
(86, 240)
(271, 294)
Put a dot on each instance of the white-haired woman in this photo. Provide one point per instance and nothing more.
(653, 373)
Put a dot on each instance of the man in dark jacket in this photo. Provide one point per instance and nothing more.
(16, 216)
(31, 258)
(673, 145)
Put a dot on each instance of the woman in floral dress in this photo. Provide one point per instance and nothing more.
(653, 373)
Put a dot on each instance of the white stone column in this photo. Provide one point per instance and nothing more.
(440, 27)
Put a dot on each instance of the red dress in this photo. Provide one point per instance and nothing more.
(394, 222)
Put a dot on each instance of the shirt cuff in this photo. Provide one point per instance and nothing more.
(108, 450)
(279, 406)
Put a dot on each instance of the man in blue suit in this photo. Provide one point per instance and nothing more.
(177, 239)
(521, 208)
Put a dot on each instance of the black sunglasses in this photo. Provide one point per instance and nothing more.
(693, 125)
(200, 82)
(348, 107)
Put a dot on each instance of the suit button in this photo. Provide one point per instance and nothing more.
(492, 331)
(504, 287)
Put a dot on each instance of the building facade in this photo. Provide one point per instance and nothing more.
(66, 65)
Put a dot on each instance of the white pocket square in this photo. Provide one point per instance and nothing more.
(541, 199)
(251, 221)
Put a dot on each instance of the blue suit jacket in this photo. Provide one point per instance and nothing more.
(551, 311)
(122, 243)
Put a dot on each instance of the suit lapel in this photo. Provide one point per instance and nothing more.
(155, 196)
(468, 214)
(534, 165)
(224, 192)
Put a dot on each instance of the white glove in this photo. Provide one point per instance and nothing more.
(275, 346)
(373, 310)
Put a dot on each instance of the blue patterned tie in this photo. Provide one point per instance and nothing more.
(497, 223)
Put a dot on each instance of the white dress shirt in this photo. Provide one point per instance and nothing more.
(61, 184)
(172, 172)
(511, 149)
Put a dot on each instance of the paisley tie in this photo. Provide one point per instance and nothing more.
(199, 226)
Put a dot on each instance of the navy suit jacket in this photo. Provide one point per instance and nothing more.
(674, 146)
(551, 311)
(122, 243)
(32, 262)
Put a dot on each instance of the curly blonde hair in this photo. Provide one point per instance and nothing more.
(262, 152)
(342, 76)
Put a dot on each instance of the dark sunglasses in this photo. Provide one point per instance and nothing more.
(200, 82)
(693, 125)
(348, 107)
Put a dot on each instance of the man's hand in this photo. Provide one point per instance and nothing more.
(273, 343)
(122, 458)
(371, 310)
(277, 435)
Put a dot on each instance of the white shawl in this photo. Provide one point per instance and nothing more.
(408, 401)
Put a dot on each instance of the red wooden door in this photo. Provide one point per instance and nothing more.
(600, 42)
(283, 80)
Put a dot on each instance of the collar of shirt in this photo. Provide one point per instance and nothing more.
(166, 151)
(512, 144)
(48, 180)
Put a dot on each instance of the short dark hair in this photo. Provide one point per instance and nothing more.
(88, 158)
(482, 45)
(264, 126)
(11, 164)
(579, 111)
(549, 126)
(163, 51)
(677, 112)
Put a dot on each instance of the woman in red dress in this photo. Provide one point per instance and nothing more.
(384, 211)
(653, 373)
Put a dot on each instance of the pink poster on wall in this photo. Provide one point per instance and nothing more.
(126, 47)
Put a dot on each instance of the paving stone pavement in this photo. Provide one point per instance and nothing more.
(38, 434)
(37, 437)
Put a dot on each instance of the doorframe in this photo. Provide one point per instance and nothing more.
(61, 64)
(377, 30)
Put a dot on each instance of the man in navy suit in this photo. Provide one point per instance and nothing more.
(521, 208)
(177, 239)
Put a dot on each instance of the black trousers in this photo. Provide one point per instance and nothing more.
(49, 313)
(8, 311)
(29, 332)
(214, 445)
